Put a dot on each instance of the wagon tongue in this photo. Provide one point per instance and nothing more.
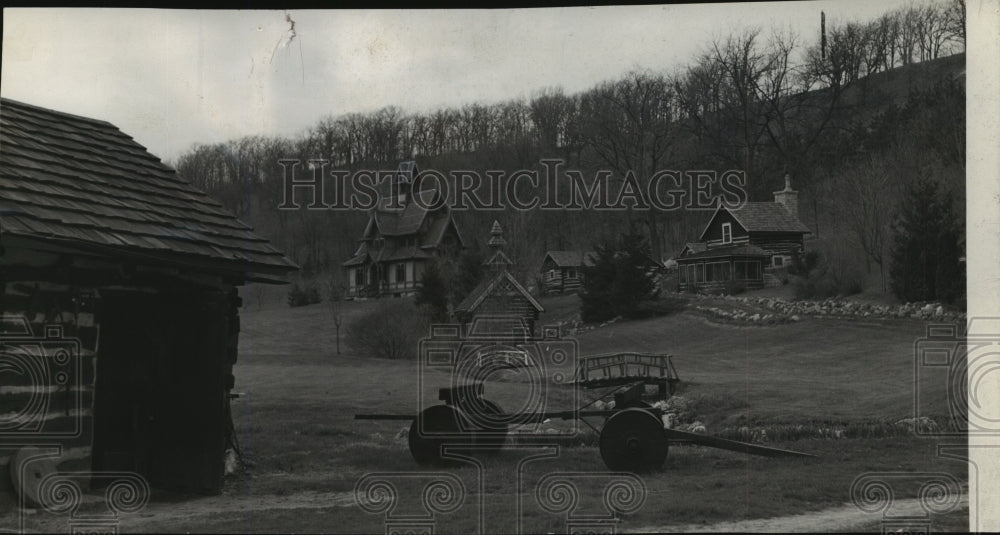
(733, 445)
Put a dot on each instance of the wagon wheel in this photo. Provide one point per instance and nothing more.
(493, 432)
(431, 429)
(633, 441)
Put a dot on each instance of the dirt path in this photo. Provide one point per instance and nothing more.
(844, 518)
(164, 514)
(157, 516)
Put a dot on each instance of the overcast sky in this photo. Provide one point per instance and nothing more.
(172, 78)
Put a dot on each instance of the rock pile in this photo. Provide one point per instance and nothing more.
(784, 310)
(741, 316)
(678, 414)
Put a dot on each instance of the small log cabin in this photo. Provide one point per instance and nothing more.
(499, 294)
(119, 304)
(399, 240)
(739, 245)
(562, 271)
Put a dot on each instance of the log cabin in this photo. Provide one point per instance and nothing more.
(562, 271)
(120, 311)
(740, 246)
(401, 237)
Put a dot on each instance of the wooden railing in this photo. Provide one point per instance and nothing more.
(622, 367)
(378, 290)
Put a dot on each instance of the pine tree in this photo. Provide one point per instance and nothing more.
(632, 285)
(597, 291)
(468, 275)
(925, 248)
(433, 294)
(617, 283)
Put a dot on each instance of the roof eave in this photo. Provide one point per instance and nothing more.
(228, 268)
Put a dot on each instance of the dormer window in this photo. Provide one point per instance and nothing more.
(727, 233)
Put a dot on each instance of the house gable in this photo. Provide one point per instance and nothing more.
(712, 235)
(503, 285)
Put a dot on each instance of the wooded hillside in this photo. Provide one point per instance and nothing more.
(853, 120)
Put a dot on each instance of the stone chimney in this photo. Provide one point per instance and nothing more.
(788, 197)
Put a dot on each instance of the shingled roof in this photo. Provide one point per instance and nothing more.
(767, 217)
(718, 252)
(488, 286)
(694, 247)
(571, 258)
(763, 217)
(404, 220)
(83, 184)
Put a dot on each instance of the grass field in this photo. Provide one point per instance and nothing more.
(296, 418)
(295, 423)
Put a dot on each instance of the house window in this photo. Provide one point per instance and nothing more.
(400, 272)
(779, 261)
(359, 276)
(571, 273)
(727, 233)
(741, 270)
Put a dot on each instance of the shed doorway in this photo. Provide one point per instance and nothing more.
(160, 393)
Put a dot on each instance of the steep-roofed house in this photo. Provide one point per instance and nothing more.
(739, 245)
(403, 234)
(119, 306)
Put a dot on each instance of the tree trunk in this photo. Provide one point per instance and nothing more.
(654, 236)
(338, 338)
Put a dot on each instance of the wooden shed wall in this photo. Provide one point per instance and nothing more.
(153, 351)
(50, 399)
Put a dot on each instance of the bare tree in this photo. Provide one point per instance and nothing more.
(866, 202)
(551, 112)
(955, 21)
(335, 292)
(629, 123)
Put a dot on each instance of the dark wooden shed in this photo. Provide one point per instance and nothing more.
(119, 302)
(499, 294)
